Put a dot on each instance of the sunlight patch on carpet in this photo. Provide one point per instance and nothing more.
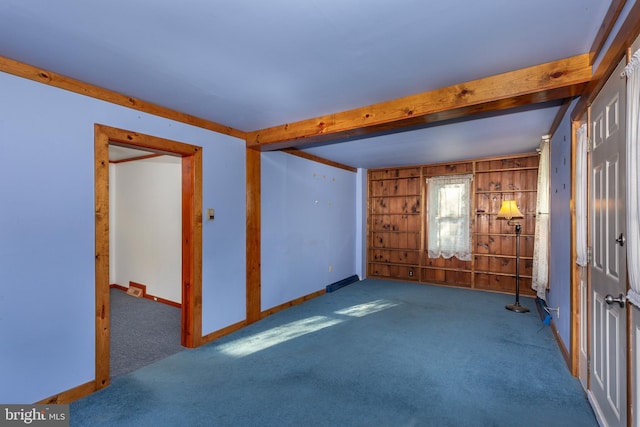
(367, 308)
(252, 344)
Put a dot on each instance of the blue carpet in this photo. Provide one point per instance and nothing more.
(375, 353)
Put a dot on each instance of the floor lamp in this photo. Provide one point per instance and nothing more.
(509, 211)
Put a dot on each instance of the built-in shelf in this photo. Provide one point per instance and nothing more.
(396, 200)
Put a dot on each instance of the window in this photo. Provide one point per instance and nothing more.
(448, 222)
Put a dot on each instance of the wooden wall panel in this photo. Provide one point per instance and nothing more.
(504, 245)
(451, 263)
(394, 256)
(488, 264)
(389, 271)
(529, 161)
(443, 169)
(502, 283)
(397, 224)
(395, 187)
(448, 277)
(395, 205)
(394, 173)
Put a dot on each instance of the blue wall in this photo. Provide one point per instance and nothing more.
(559, 294)
(308, 227)
(47, 267)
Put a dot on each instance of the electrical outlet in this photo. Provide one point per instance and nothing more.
(410, 273)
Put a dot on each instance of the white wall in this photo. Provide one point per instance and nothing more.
(112, 223)
(47, 229)
(308, 227)
(148, 225)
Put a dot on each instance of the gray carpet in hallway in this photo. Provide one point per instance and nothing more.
(142, 332)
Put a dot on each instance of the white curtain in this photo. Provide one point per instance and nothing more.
(581, 195)
(632, 71)
(540, 277)
(449, 225)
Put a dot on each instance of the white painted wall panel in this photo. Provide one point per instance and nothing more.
(148, 225)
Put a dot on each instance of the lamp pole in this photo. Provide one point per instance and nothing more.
(516, 306)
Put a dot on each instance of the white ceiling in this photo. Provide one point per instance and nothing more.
(117, 153)
(255, 64)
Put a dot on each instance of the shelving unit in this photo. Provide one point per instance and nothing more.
(494, 250)
(397, 224)
(394, 221)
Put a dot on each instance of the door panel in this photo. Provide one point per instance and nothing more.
(583, 322)
(608, 383)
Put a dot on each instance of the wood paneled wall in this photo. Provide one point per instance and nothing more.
(396, 238)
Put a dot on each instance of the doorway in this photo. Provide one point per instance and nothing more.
(191, 319)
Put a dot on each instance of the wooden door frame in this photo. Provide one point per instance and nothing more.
(191, 328)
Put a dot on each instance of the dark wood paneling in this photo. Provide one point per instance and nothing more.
(394, 256)
(502, 283)
(397, 224)
(449, 169)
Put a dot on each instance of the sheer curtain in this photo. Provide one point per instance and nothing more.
(540, 277)
(581, 195)
(449, 219)
(632, 71)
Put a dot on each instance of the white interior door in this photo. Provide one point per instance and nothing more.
(608, 379)
(583, 322)
(581, 272)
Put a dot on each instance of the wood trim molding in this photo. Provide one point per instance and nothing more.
(192, 250)
(563, 349)
(460, 162)
(291, 303)
(50, 78)
(101, 153)
(318, 159)
(540, 83)
(191, 236)
(223, 332)
(163, 301)
(253, 260)
(606, 27)
(625, 37)
(145, 295)
(70, 395)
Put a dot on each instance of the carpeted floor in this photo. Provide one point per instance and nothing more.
(142, 332)
(375, 353)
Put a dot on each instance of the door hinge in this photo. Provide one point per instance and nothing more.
(589, 144)
(589, 366)
(589, 254)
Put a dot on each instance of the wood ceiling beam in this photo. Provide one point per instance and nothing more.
(540, 83)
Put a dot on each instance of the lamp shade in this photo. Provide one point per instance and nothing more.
(509, 210)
